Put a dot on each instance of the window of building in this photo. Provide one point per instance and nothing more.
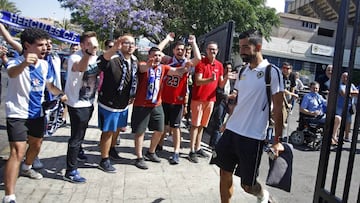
(309, 25)
(325, 32)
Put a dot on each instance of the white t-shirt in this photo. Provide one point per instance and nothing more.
(25, 92)
(81, 87)
(57, 66)
(251, 114)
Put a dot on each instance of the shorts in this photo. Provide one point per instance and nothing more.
(173, 114)
(201, 112)
(19, 129)
(239, 153)
(339, 113)
(143, 117)
(111, 121)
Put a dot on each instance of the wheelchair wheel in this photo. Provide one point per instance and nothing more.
(297, 138)
(316, 145)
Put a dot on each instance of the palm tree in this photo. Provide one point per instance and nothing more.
(9, 6)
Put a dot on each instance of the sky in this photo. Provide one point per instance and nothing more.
(42, 9)
(52, 9)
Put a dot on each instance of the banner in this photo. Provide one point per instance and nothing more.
(22, 22)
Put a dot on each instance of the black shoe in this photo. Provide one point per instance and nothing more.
(106, 166)
(140, 163)
(202, 153)
(114, 155)
(193, 157)
(152, 157)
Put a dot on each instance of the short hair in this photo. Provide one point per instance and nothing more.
(179, 43)
(30, 35)
(254, 35)
(153, 49)
(107, 42)
(286, 64)
(73, 44)
(314, 83)
(227, 63)
(212, 42)
(87, 34)
(188, 47)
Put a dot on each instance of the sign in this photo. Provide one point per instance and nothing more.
(22, 22)
(322, 50)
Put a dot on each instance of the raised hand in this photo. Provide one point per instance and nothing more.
(31, 58)
(192, 39)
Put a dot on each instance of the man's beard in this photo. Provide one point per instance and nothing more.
(248, 58)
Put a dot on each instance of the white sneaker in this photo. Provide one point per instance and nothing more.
(265, 198)
(31, 173)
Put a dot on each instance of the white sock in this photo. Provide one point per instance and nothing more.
(8, 198)
(25, 167)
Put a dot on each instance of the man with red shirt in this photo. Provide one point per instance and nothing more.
(175, 91)
(208, 76)
(147, 110)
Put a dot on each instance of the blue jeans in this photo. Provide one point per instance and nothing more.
(79, 119)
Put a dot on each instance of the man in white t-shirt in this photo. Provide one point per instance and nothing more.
(28, 77)
(240, 148)
(81, 86)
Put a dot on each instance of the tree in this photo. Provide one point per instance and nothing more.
(119, 16)
(162, 16)
(9, 6)
(200, 16)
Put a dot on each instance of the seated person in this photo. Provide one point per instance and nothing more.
(313, 104)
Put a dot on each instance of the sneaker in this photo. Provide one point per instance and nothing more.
(265, 199)
(114, 155)
(31, 173)
(37, 164)
(140, 163)
(152, 157)
(202, 153)
(346, 139)
(81, 156)
(174, 159)
(107, 167)
(193, 157)
(74, 177)
(8, 201)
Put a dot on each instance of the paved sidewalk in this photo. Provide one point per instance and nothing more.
(162, 182)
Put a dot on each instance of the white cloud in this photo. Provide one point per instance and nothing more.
(279, 5)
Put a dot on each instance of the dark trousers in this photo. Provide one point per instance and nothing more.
(79, 119)
(216, 120)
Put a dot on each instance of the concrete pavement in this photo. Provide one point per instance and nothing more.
(162, 182)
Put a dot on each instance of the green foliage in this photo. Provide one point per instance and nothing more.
(198, 17)
(9, 6)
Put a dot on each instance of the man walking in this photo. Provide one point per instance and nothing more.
(240, 147)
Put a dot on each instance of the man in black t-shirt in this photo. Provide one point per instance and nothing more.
(289, 82)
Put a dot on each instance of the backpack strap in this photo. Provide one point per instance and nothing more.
(268, 88)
